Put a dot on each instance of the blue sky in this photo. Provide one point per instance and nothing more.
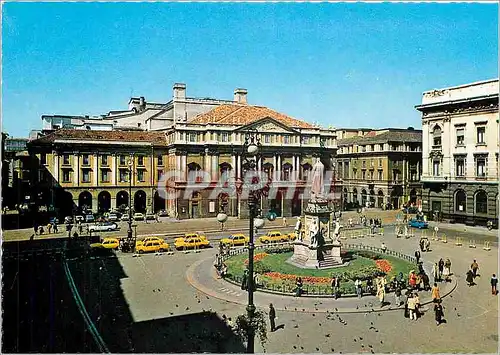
(346, 65)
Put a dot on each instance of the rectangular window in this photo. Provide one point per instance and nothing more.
(413, 175)
(381, 147)
(43, 158)
(225, 137)
(437, 141)
(371, 175)
(192, 137)
(305, 140)
(461, 136)
(85, 175)
(395, 175)
(123, 175)
(460, 167)
(85, 159)
(66, 159)
(104, 175)
(123, 160)
(380, 173)
(104, 159)
(481, 166)
(436, 168)
(267, 138)
(160, 173)
(363, 174)
(354, 173)
(481, 131)
(380, 162)
(66, 176)
(286, 139)
(364, 164)
(140, 175)
(140, 160)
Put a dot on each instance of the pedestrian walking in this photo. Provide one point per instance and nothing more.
(359, 290)
(284, 222)
(298, 285)
(417, 305)
(35, 227)
(470, 278)
(411, 307)
(417, 256)
(41, 231)
(435, 272)
(244, 281)
(56, 229)
(474, 267)
(49, 228)
(397, 296)
(435, 293)
(440, 269)
(272, 317)
(494, 282)
(383, 247)
(438, 312)
(447, 270)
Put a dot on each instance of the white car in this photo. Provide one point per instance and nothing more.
(113, 217)
(79, 219)
(124, 217)
(138, 217)
(104, 227)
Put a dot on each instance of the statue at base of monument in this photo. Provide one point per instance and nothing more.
(336, 232)
(298, 229)
(313, 235)
(317, 184)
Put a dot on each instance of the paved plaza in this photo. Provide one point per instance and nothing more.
(158, 287)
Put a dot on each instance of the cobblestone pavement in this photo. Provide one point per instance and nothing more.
(471, 312)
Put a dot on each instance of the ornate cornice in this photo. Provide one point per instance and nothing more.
(462, 110)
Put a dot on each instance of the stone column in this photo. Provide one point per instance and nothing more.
(278, 169)
(184, 166)
(113, 170)
(95, 175)
(56, 166)
(238, 166)
(233, 163)
(208, 161)
(76, 172)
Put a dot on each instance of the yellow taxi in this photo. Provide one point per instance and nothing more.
(273, 237)
(191, 241)
(291, 236)
(152, 246)
(235, 239)
(148, 239)
(107, 243)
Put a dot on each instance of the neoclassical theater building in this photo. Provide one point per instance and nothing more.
(460, 152)
(88, 161)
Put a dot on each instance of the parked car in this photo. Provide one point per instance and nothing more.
(191, 243)
(420, 224)
(138, 217)
(89, 218)
(107, 243)
(54, 220)
(152, 246)
(273, 237)
(148, 239)
(104, 227)
(124, 217)
(79, 219)
(68, 219)
(113, 217)
(150, 216)
(162, 213)
(235, 239)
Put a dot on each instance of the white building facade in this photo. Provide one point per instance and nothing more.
(460, 138)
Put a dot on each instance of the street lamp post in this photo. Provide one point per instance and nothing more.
(251, 155)
(129, 231)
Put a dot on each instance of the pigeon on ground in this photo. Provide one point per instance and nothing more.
(381, 342)
(294, 347)
(327, 335)
(298, 336)
(177, 305)
(295, 326)
(317, 349)
(355, 340)
(333, 350)
(314, 315)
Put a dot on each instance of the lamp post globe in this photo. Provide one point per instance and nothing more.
(259, 222)
(222, 217)
(252, 149)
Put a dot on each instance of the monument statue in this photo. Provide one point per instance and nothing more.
(317, 180)
(298, 229)
(336, 232)
(313, 234)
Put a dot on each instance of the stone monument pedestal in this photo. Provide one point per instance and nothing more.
(316, 248)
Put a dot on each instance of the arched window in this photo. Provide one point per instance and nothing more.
(481, 201)
(460, 201)
(436, 135)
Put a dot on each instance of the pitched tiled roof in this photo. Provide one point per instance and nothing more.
(389, 136)
(156, 138)
(245, 114)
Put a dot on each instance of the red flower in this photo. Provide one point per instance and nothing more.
(305, 279)
(384, 265)
(257, 257)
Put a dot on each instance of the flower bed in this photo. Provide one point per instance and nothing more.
(384, 265)
(257, 257)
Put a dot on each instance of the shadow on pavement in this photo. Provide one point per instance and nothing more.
(40, 313)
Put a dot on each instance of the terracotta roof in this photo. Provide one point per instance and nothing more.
(156, 138)
(411, 136)
(245, 114)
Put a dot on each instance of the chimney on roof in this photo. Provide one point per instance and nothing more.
(240, 96)
(179, 91)
(142, 103)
